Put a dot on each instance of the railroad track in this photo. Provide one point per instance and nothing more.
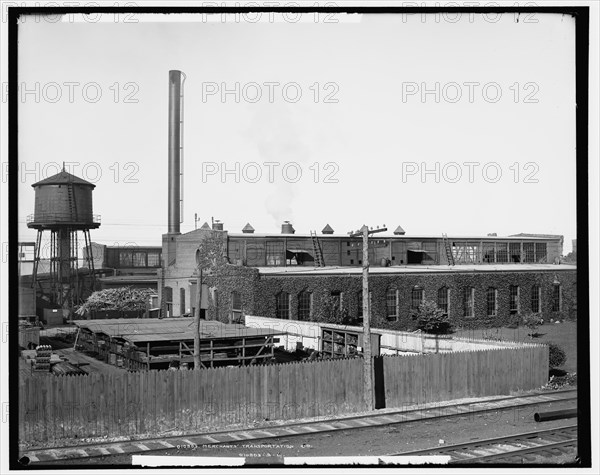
(429, 412)
(518, 448)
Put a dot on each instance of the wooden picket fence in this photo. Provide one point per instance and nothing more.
(418, 379)
(56, 410)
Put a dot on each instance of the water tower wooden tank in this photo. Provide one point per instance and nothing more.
(63, 206)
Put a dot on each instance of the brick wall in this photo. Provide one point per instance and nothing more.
(258, 294)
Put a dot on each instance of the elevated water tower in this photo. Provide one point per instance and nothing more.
(63, 206)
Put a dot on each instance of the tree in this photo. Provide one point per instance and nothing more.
(209, 255)
(432, 319)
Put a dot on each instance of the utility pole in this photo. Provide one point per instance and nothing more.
(367, 353)
(197, 359)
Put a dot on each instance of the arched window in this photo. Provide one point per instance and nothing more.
(167, 297)
(491, 301)
(416, 297)
(304, 305)
(469, 302)
(181, 301)
(282, 305)
(556, 298)
(442, 299)
(391, 302)
(514, 299)
(536, 298)
(236, 306)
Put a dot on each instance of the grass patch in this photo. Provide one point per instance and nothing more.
(563, 334)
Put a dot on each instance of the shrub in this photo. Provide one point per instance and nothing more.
(532, 321)
(431, 319)
(557, 356)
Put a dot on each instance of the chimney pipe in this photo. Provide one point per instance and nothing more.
(175, 149)
(287, 228)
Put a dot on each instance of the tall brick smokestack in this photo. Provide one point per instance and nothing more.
(176, 79)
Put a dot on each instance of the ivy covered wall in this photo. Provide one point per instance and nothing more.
(258, 294)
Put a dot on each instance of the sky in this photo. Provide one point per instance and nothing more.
(441, 125)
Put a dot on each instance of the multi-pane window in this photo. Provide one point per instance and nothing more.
(491, 301)
(529, 251)
(489, 252)
(466, 252)
(416, 297)
(236, 306)
(125, 258)
(536, 298)
(391, 301)
(282, 305)
(514, 249)
(501, 252)
(514, 299)
(556, 297)
(304, 305)
(469, 302)
(442, 299)
(274, 253)
(540, 252)
(233, 251)
(154, 259)
(139, 259)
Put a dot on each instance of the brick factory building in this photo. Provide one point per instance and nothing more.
(479, 281)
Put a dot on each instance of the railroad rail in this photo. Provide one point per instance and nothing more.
(510, 449)
(427, 412)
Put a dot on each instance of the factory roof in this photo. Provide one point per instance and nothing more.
(138, 330)
(415, 269)
(130, 279)
(63, 178)
(405, 237)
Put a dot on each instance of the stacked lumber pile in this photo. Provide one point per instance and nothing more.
(43, 354)
(65, 368)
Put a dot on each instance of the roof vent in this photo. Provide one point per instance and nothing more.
(327, 229)
(248, 229)
(400, 231)
(287, 228)
(492, 234)
(217, 225)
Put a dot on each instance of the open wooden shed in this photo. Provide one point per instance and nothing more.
(139, 344)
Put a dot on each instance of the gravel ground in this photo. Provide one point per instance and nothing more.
(386, 440)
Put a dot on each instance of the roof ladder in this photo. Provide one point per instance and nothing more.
(449, 254)
(319, 261)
